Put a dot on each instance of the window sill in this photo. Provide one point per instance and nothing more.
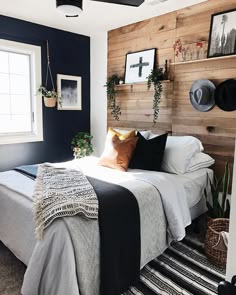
(16, 139)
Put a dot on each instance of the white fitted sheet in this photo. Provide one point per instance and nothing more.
(194, 184)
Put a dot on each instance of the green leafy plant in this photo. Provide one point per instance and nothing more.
(219, 206)
(49, 93)
(155, 78)
(81, 145)
(111, 94)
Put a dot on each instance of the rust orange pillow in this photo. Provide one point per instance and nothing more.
(118, 153)
(121, 136)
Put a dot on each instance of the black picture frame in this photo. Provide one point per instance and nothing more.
(139, 64)
(222, 35)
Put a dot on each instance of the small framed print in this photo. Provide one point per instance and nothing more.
(222, 37)
(70, 92)
(139, 65)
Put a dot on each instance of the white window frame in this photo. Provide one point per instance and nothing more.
(36, 100)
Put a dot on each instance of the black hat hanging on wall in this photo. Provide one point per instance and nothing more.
(225, 95)
(202, 95)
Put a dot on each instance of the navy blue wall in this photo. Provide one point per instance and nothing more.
(70, 55)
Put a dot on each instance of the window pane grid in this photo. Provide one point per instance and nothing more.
(15, 87)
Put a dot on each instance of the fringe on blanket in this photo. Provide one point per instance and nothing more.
(61, 192)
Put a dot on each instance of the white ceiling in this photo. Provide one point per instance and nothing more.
(96, 16)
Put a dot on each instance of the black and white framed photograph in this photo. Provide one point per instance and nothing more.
(69, 91)
(222, 38)
(139, 65)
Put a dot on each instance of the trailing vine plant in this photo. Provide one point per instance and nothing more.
(155, 78)
(111, 94)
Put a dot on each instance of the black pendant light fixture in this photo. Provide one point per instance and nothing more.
(134, 3)
(70, 8)
(73, 8)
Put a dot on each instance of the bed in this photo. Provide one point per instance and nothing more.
(77, 270)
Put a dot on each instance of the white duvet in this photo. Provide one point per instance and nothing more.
(66, 261)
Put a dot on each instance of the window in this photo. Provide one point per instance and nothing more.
(20, 108)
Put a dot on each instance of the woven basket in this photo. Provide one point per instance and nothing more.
(50, 102)
(214, 227)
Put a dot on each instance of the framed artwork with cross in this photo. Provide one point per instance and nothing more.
(139, 65)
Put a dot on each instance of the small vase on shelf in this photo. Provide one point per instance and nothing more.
(195, 54)
(201, 53)
(188, 54)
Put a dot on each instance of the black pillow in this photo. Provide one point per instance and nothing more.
(148, 154)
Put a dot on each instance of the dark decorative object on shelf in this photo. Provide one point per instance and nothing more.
(81, 145)
(222, 37)
(111, 94)
(155, 78)
(166, 73)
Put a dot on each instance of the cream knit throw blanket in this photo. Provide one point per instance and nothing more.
(61, 192)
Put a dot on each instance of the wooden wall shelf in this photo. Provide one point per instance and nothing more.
(140, 83)
(204, 60)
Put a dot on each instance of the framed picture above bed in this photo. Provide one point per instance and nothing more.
(139, 65)
(69, 90)
(222, 37)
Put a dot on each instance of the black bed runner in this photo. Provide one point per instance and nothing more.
(119, 224)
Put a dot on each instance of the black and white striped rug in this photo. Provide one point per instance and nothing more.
(182, 269)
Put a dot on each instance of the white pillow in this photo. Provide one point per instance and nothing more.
(200, 160)
(179, 152)
(152, 135)
(145, 133)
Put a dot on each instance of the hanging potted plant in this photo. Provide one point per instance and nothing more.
(154, 79)
(111, 95)
(81, 145)
(218, 218)
(50, 97)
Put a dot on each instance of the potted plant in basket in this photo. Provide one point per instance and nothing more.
(81, 145)
(50, 96)
(218, 218)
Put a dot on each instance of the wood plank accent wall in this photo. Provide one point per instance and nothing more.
(216, 128)
(136, 107)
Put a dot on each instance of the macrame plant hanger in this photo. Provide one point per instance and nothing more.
(49, 101)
